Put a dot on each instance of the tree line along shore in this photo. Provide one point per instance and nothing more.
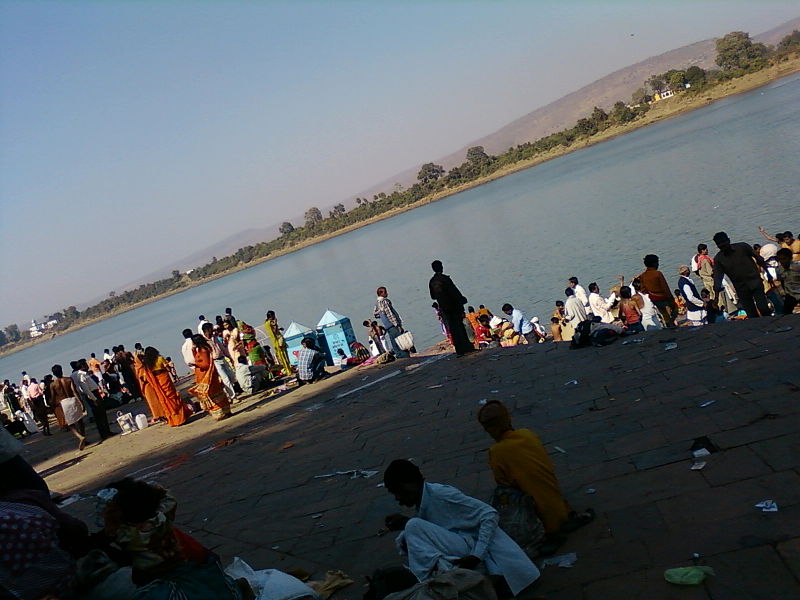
(743, 66)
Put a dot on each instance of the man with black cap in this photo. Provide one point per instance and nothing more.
(738, 261)
(451, 303)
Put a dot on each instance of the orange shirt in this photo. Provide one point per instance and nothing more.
(654, 284)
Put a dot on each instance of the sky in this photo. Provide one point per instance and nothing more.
(133, 134)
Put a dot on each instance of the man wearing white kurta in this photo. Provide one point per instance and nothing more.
(573, 309)
(601, 307)
(452, 530)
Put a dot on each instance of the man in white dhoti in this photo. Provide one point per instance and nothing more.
(452, 530)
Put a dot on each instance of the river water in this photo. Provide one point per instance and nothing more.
(593, 213)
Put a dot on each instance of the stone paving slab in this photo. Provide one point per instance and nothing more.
(247, 487)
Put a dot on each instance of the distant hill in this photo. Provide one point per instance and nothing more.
(565, 111)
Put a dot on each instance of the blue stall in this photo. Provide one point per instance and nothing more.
(337, 332)
(293, 335)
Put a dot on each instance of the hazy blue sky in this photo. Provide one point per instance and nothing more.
(135, 133)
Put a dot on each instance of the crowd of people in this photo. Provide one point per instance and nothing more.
(740, 281)
(225, 359)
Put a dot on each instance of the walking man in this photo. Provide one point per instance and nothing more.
(451, 303)
(736, 261)
(390, 320)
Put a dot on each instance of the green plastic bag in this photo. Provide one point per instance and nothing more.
(687, 575)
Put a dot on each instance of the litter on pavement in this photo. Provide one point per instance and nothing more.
(565, 561)
(354, 474)
(768, 506)
(688, 575)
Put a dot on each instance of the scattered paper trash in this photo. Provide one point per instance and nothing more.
(634, 341)
(482, 401)
(698, 465)
(494, 391)
(768, 506)
(572, 382)
(560, 449)
(707, 403)
(670, 346)
(591, 491)
(565, 561)
(688, 575)
(435, 387)
(72, 499)
(700, 452)
(317, 516)
(732, 360)
(354, 474)
(287, 445)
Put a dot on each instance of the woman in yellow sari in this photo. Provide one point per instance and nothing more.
(278, 343)
(159, 381)
(208, 387)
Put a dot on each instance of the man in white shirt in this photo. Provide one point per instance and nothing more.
(520, 324)
(580, 293)
(186, 349)
(452, 530)
(92, 396)
(600, 306)
(201, 321)
(573, 309)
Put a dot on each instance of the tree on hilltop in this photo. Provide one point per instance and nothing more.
(695, 76)
(621, 113)
(12, 333)
(639, 96)
(286, 228)
(338, 211)
(430, 172)
(477, 155)
(677, 81)
(313, 216)
(790, 41)
(737, 51)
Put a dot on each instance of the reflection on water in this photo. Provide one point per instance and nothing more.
(593, 214)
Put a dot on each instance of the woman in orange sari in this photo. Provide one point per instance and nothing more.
(208, 387)
(156, 373)
(149, 393)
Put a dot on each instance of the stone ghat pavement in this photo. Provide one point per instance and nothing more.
(260, 484)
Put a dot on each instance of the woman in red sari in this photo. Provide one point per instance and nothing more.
(208, 387)
(156, 373)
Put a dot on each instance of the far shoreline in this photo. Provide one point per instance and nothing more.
(663, 110)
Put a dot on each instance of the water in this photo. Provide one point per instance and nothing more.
(593, 214)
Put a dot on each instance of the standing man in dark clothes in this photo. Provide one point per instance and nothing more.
(737, 262)
(451, 303)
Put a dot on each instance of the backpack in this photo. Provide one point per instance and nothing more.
(604, 337)
(583, 335)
